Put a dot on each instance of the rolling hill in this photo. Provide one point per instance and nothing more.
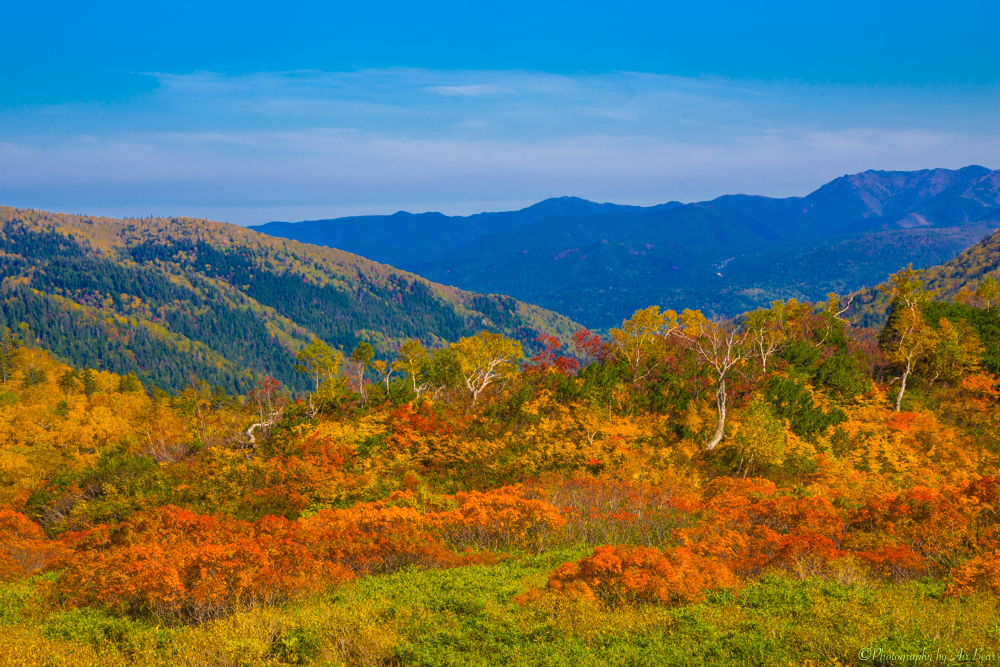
(176, 298)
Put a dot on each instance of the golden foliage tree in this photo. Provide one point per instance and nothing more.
(485, 358)
(722, 347)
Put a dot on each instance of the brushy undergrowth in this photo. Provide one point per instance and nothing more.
(468, 616)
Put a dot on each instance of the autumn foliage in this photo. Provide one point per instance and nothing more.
(23, 547)
(685, 455)
(380, 537)
(980, 572)
(505, 518)
(624, 575)
(180, 566)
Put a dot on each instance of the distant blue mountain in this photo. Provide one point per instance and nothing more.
(409, 238)
(598, 263)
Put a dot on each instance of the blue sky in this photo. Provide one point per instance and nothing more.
(251, 112)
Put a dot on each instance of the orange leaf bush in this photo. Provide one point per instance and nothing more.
(500, 519)
(183, 567)
(627, 576)
(383, 536)
(380, 537)
(983, 572)
(752, 526)
(921, 529)
(23, 547)
(180, 566)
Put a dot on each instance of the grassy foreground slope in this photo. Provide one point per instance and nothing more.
(172, 298)
(466, 616)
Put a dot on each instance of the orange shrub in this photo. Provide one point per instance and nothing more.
(794, 533)
(384, 536)
(221, 481)
(500, 518)
(909, 533)
(620, 575)
(410, 427)
(983, 571)
(181, 566)
(981, 498)
(379, 537)
(752, 526)
(23, 547)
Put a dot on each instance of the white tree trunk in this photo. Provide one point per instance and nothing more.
(720, 402)
(902, 385)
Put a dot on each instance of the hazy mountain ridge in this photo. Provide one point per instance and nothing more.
(598, 263)
(407, 238)
(868, 201)
(171, 297)
(934, 199)
(732, 254)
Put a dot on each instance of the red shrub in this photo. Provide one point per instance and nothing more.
(23, 547)
(619, 575)
(500, 518)
(547, 359)
(181, 566)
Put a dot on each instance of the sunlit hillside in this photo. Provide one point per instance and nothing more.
(166, 298)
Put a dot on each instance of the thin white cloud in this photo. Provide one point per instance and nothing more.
(376, 141)
(470, 90)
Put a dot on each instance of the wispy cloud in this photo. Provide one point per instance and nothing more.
(318, 144)
(470, 90)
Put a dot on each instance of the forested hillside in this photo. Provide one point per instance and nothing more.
(782, 488)
(171, 299)
(955, 280)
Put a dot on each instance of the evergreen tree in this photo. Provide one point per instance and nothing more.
(34, 376)
(129, 383)
(69, 382)
(89, 380)
(10, 350)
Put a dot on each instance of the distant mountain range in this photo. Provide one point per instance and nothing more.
(598, 263)
(408, 238)
(173, 299)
